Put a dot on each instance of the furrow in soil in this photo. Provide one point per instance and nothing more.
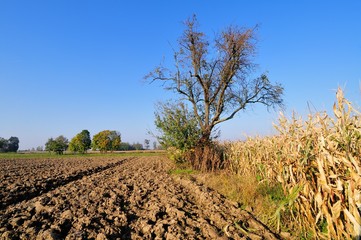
(136, 199)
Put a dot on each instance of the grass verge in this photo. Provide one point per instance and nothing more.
(260, 198)
(257, 197)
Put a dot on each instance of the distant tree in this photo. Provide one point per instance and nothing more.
(74, 145)
(124, 146)
(11, 145)
(106, 141)
(50, 145)
(57, 145)
(81, 142)
(115, 140)
(146, 143)
(39, 148)
(3, 144)
(138, 146)
(154, 145)
(101, 141)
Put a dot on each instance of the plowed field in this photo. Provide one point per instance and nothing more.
(114, 198)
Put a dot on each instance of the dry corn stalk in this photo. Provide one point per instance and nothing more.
(323, 155)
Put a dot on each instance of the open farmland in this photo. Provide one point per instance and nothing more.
(114, 198)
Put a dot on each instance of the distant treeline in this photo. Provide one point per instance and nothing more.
(103, 141)
(124, 146)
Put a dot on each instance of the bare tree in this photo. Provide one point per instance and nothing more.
(216, 78)
(146, 143)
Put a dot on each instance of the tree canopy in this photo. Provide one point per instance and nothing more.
(10, 145)
(57, 145)
(81, 142)
(106, 141)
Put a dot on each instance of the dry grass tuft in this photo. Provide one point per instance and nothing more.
(259, 198)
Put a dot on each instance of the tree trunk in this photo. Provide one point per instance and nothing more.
(206, 137)
(206, 156)
(204, 140)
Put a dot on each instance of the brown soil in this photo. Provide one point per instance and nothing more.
(120, 198)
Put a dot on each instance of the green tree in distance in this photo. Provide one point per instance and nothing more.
(115, 139)
(11, 145)
(57, 145)
(81, 142)
(137, 146)
(106, 141)
(3, 144)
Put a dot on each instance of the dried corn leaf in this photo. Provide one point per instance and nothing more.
(336, 210)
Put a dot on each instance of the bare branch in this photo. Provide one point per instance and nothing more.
(263, 92)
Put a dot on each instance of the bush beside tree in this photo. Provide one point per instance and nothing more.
(178, 128)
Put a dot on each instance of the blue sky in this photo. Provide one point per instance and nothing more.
(68, 65)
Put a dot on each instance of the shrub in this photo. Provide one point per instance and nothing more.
(176, 155)
(177, 126)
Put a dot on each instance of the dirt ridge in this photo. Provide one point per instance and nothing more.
(34, 189)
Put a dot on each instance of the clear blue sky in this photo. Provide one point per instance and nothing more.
(71, 65)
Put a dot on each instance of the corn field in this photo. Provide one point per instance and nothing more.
(318, 163)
